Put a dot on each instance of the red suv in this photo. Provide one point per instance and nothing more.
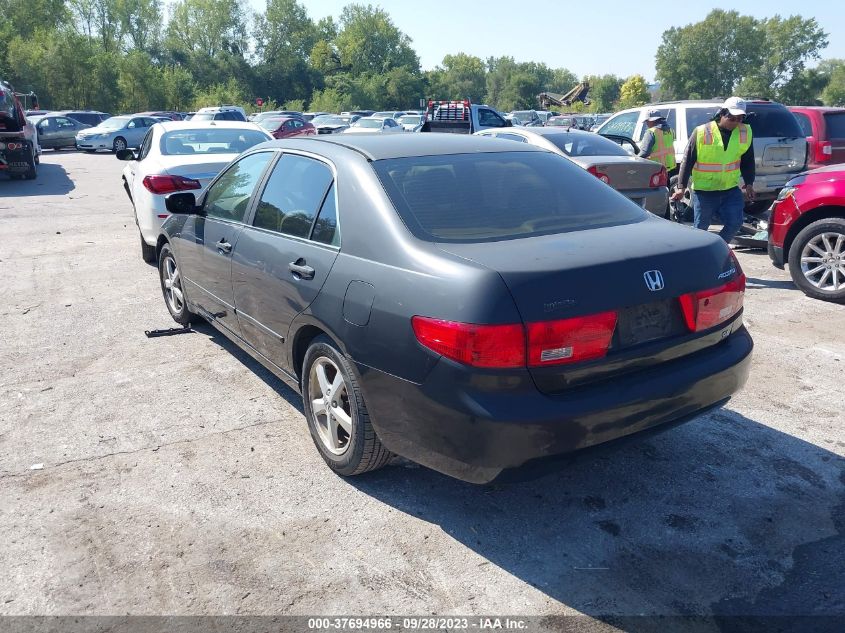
(825, 132)
(807, 232)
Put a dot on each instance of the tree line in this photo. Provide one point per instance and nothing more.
(135, 55)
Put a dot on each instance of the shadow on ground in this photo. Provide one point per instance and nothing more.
(52, 180)
(719, 519)
(755, 283)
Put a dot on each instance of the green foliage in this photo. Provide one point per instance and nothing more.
(728, 53)
(123, 55)
(834, 93)
(604, 92)
(633, 93)
(294, 104)
(369, 42)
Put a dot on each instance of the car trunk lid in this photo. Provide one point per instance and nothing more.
(198, 167)
(639, 271)
(624, 173)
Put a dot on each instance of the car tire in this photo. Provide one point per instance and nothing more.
(148, 253)
(827, 262)
(119, 144)
(680, 211)
(32, 172)
(342, 432)
(170, 276)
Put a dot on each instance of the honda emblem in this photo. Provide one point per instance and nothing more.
(653, 280)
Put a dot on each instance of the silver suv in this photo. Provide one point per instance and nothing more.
(780, 148)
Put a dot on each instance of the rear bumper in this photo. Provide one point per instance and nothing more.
(472, 427)
(653, 200)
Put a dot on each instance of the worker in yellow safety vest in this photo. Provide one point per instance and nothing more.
(718, 154)
(658, 143)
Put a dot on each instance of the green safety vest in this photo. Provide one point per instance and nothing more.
(717, 168)
(663, 150)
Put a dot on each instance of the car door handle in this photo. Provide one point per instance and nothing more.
(300, 268)
(223, 246)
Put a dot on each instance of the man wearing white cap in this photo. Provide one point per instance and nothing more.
(718, 154)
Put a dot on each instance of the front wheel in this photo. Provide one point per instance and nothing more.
(817, 260)
(119, 144)
(172, 287)
(336, 413)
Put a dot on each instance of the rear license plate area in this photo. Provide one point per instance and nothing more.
(778, 154)
(647, 322)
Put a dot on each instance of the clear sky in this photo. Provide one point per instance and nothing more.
(588, 38)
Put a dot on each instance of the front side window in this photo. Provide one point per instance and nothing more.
(228, 198)
(294, 193)
(499, 195)
(699, 116)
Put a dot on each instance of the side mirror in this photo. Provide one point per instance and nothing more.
(181, 203)
(126, 154)
(508, 123)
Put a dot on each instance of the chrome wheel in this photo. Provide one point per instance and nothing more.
(329, 398)
(173, 286)
(823, 261)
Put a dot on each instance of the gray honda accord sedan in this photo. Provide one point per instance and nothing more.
(470, 304)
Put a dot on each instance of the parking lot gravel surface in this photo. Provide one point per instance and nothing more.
(176, 476)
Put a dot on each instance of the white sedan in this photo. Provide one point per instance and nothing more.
(179, 156)
(383, 125)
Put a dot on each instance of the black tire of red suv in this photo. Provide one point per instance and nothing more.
(829, 225)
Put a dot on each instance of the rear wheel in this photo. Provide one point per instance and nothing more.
(817, 260)
(32, 172)
(336, 413)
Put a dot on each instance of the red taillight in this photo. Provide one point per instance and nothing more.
(660, 179)
(570, 340)
(472, 344)
(601, 176)
(168, 184)
(824, 151)
(549, 342)
(708, 308)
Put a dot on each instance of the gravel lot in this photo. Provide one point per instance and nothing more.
(176, 476)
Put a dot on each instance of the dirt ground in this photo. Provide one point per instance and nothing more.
(176, 476)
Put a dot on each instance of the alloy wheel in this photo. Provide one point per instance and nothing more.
(823, 261)
(330, 406)
(173, 286)
(119, 145)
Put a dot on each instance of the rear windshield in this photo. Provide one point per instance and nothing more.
(766, 121)
(214, 141)
(495, 196)
(585, 145)
(835, 123)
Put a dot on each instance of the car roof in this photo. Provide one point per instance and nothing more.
(816, 108)
(170, 126)
(385, 146)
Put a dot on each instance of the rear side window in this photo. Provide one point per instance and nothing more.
(294, 193)
(804, 122)
(835, 123)
(494, 196)
(770, 121)
(698, 116)
(585, 145)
